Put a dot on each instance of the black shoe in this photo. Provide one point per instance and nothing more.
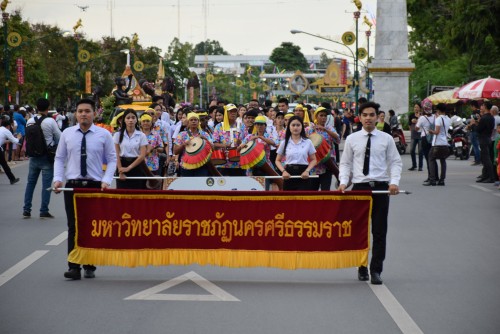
(15, 180)
(440, 183)
(426, 180)
(26, 215)
(74, 274)
(429, 183)
(363, 274)
(480, 177)
(88, 273)
(413, 168)
(486, 181)
(376, 280)
(420, 169)
(46, 215)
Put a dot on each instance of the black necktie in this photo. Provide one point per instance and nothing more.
(83, 155)
(366, 164)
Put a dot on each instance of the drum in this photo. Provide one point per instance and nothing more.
(218, 157)
(322, 147)
(253, 155)
(233, 155)
(196, 154)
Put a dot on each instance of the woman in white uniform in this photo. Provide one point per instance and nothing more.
(131, 146)
(300, 155)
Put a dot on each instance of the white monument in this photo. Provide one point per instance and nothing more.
(391, 67)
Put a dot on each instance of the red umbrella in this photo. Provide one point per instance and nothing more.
(488, 88)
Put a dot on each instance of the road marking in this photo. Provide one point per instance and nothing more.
(58, 240)
(21, 265)
(480, 188)
(216, 293)
(395, 310)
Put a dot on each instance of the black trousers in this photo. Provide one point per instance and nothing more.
(136, 171)
(296, 184)
(70, 215)
(380, 211)
(487, 172)
(6, 166)
(323, 182)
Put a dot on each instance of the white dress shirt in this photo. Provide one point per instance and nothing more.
(130, 147)
(100, 150)
(385, 161)
(5, 135)
(441, 138)
(297, 154)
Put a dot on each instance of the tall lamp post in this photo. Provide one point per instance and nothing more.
(357, 14)
(368, 80)
(354, 56)
(6, 59)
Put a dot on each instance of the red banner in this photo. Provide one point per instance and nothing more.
(343, 72)
(20, 71)
(235, 229)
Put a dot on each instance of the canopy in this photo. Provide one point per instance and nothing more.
(445, 96)
(488, 88)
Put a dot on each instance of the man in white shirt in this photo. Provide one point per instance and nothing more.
(440, 149)
(371, 157)
(81, 152)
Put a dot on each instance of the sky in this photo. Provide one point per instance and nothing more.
(247, 27)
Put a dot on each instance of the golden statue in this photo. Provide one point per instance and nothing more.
(77, 25)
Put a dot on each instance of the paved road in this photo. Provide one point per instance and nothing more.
(440, 277)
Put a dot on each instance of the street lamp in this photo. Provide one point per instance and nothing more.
(354, 55)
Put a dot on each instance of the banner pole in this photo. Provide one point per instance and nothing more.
(373, 192)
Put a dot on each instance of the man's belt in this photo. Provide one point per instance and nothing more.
(83, 183)
(373, 184)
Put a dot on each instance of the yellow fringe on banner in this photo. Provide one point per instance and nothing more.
(220, 257)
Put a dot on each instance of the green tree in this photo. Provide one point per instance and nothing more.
(209, 47)
(453, 42)
(288, 56)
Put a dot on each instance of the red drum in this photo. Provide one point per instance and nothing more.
(218, 157)
(233, 155)
(197, 153)
(322, 147)
(253, 155)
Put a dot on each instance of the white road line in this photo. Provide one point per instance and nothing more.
(480, 188)
(216, 293)
(58, 240)
(395, 310)
(21, 265)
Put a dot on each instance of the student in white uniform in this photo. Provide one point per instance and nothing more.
(300, 156)
(131, 146)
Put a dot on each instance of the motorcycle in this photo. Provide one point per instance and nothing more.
(459, 139)
(399, 138)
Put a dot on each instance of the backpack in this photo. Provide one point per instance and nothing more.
(35, 139)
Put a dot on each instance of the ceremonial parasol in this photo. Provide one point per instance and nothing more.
(488, 88)
(445, 96)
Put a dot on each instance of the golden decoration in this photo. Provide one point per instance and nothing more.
(14, 39)
(348, 38)
(83, 56)
(210, 77)
(239, 83)
(138, 66)
(252, 85)
(362, 53)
